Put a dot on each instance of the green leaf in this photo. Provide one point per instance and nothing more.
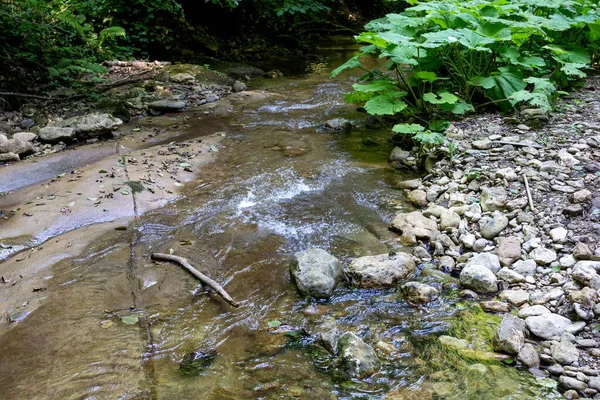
(407, 128)
(507, 81)
(386, 104)
(103, 171)
(426, 76)
(574, 69)
(274, 323)
(351, 63)
(535, 99)
(486, 82)
(429, 137)
(440, 125)
(358, 97)
(459, 108)
(130, 319)
(440, 98)
(378, 85)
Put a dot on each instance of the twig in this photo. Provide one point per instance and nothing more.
(535, 146)
(38, 97)
(129, 79)
(529, 199)
(203, 278)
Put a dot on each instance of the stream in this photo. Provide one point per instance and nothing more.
(117, 325)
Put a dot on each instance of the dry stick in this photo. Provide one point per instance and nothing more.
(203, 278)
(535, 146)
(529, 199)
(37, 97)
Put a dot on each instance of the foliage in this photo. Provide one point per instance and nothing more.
(445, 56)
(61, 41)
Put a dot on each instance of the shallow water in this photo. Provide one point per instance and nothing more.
(281, 185)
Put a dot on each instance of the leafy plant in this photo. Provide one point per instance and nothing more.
(445, 57)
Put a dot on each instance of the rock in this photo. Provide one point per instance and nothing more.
(510, 335)
(54, 134)
(316, 273)
(418, 198)
(581, 196)
(586, 296)
(533, 311)
(483, 144)
(447, 263)
(508, 250)
(167, 105)
(488, 260)
(239, 86)
(510, 276)
(339, 124)
(410, 184)
(547, 326)
(542, 255)
(27, 123)
(358, 358)
(449, 219)
(383, 270)
(329, 336)
(574, 210)
(581, 251)
(575, 327)
(479, 278)
(493, 199)
(594, 383)
(516, 297)
(566, 382)
(529, 356)
(491, 227)
(25, 136)
(559, 234)
(468, 240)
(413, 226)
(16, 146)
(372, 122)
(183, 78)
(507, 173)
(7, 157)
(453, 343)
(197, 361)
(417, 292)
(565, 353)
(495, 306)
(583, 272)
(91, 125)
(525, 268)
(273, 74)
(399, 157)
(479, 245)
(566, 159)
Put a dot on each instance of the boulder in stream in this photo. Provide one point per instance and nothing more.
(91, 124)
(383, 270)
(316, 273)
(510, 336)
(358, 359)
(413, 226)
(417, 292)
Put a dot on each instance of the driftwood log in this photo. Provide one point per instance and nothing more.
(203, 278)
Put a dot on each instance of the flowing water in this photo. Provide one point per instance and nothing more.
(280, 185)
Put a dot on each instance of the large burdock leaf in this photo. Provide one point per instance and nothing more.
(351, 63)
(440, 98)
(385, 104)
(407, 128)
(378, 85)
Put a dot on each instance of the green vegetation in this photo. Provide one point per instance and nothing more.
(447, 57)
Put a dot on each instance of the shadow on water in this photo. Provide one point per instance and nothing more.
(280, 185)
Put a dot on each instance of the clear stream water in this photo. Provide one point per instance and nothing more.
(281, 185)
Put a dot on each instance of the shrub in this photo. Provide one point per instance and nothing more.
(444, 57)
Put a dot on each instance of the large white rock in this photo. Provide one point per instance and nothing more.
(547, 326)
(383, 270)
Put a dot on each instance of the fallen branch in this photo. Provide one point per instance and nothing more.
(529, 198)
(132, 78)
(38, 97)
(203, 278)
(535, 146)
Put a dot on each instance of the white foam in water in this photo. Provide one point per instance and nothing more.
(247, 201)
